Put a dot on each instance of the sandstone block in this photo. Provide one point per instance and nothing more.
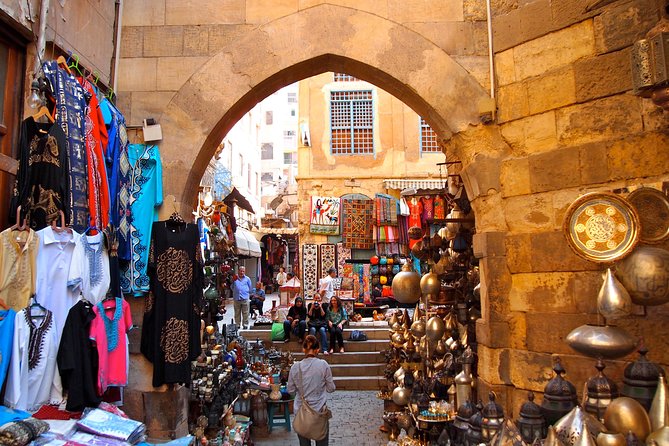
(489, 244)
(535, 19)
(504, 30)
(529, 213)
(603, 75)
(586, 287)
(137, 75)
(204, 12)
(143, 13)
(163, 41)
(540, 132)
(550, 252)
(132, 41)
(558, 169)
(515, 177)
(517, 330)
(262, 11)
(493, 334)
(594, 166)
(541, 292)
(474, 10)
(505, 68)
(149, 104)
(546, 331)
(568, 12)
(654, 118)
(456, 38)
(124, 104)
(175, 71)
(196, 40)
(554, 50)
(491, 364)
(404, 11)
(512, 102)
(639, 156)
(530, 371)
(222, 35)
(583, 123)
(483, 176)
(551, 90)
(624, 23)
(373, 6)
(513, 133)
(478, 67)
(519, 253)
(497, 281)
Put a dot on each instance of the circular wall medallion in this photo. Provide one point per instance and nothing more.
(601, 227)
(652, 207)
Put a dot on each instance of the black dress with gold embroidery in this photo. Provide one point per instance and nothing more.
(41, 187)
(170, 332)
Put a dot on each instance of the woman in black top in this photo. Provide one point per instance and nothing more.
(318, 322)
(296, 321)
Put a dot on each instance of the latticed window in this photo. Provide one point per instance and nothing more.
(428, 139)
(343, 77)
(352, 122)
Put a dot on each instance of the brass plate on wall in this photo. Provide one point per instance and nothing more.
(652, 207)
(601, 227)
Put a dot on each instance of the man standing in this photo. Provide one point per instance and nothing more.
(326, 288)
(281, 276)
(241, 291)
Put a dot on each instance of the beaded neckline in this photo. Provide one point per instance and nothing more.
(36, 339)
(94, 257)
(111, 325)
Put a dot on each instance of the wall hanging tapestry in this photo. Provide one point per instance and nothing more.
(358, 232)
(386, 210)
(325, 215)
(310, 269)
(327, 258)
(343, 254)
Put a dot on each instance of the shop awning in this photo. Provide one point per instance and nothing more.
(236, 197)
(247, 245)
(418, 183)
(278, 231)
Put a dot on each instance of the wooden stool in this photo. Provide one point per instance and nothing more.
(272, 406)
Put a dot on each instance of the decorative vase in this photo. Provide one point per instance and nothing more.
(406, 285)
(275, 394)
(645, 275)
(613, 300)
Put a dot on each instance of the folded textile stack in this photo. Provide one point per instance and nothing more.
(106, 424)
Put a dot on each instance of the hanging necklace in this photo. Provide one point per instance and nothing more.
(111, 325)
(94, 257)
(36, 338)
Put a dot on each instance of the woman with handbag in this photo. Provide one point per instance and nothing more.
(310, 380)
(318, 322)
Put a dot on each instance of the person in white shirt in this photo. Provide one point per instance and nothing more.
(326, 288)
(281, 276)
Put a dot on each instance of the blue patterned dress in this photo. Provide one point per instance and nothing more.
(145, 196)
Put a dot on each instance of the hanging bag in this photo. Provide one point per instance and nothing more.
(308, 423)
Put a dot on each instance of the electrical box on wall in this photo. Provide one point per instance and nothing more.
(152, 130)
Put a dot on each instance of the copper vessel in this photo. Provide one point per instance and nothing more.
(603, 341)
(624, 415)
(645, 275)
(406, 285)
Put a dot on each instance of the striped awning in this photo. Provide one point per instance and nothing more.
(418, 183)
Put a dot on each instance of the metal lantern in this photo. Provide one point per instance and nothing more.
(259, 412)
(640, 379)
(559, 396)
(492, 418)
(600, 390)
(464, 379)
(461, 421)
(531, 423)
(473, 436)
(257, 352)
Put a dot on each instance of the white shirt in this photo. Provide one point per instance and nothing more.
(327, 288)
(281, 278)
(30, 389)
(55, 255)
(89, 271)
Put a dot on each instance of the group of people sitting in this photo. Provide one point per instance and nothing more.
(318, 317)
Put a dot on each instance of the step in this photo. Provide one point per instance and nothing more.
(264, 333)
(348, 357)
(360, 382)
(370, 370)
(351, 346)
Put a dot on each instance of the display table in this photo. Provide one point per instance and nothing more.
(272, 408)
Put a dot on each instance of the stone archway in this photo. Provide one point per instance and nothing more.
(312, 41)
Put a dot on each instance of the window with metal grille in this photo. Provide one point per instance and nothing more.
(267, 151)
(343, 77)
(352, 122)
(289, 158)
(428, 139)
(292, 97)
(289, 134)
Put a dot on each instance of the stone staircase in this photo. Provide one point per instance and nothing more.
(360, 368)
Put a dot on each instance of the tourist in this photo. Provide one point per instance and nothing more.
(296, 321)
(336, 317)
(326, 288)
(241, 292)
(318, 322)
(257, 300)
(312, 380)
(281, 276)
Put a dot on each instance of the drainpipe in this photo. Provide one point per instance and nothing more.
(41, 36)
(491, 57)
(117, 43)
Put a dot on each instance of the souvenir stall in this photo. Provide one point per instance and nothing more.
(275, 254)
(431, 363)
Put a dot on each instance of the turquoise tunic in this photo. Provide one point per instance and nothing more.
(146, 196)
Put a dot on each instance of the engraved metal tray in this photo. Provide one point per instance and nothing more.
(652, 207)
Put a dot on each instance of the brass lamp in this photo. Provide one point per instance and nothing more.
(531, 422)
(600, 390)
(559, 396)
(473, 436)
(650, 63)
(640, 379)
(492, 418)
(461, 421)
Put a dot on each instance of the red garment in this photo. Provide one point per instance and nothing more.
(439, 207)
(428, 208)
(47, 412)
(415, 211)
(96, 144)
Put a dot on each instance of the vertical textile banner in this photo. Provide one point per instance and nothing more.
(309, 269)
(327, 259)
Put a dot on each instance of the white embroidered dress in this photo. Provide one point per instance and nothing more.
(89, 271)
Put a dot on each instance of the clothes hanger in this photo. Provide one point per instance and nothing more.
(62, 226)
(44, 111)
(63, 63)
(37, 305)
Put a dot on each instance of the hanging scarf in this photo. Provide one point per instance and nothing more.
(111, 325)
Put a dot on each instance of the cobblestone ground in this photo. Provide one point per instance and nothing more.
(356, 417)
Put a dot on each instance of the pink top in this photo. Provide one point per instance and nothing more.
(113, 365)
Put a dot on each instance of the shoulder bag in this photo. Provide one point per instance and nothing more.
(308, 423)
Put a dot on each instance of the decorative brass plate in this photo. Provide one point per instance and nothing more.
(652, 207)
(601, 227)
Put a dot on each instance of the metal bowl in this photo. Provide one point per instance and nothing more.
(603, 341)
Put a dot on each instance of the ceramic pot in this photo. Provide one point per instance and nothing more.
(406, 285)
(645, 275)
(625, 414)
(613, 300)
(603, 341)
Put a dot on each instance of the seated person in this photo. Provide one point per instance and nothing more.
(296, 321)
(336, 316)
(318, 322)
(257, 300)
